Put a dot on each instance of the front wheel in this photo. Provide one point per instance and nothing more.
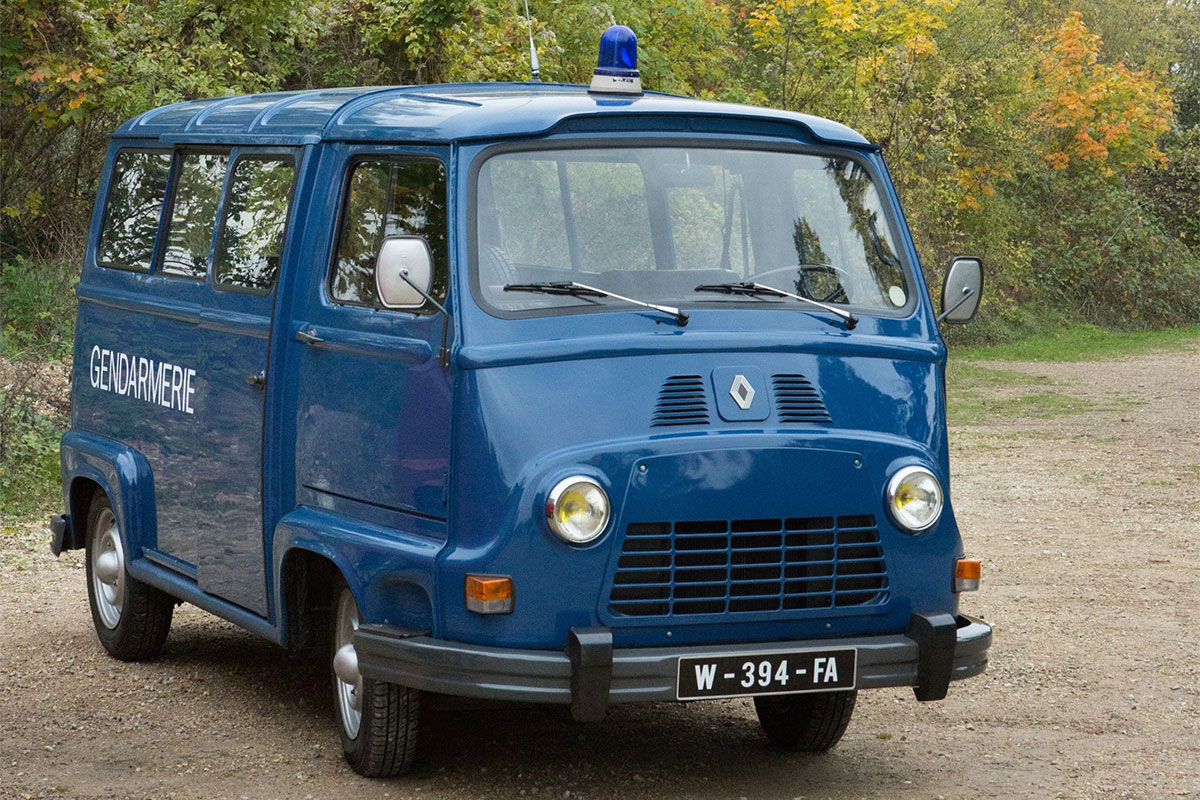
(377, 720)
(132, 619)
(805, 723)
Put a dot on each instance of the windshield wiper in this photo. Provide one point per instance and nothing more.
(751, 289)
(580, 290)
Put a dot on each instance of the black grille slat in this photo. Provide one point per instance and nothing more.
(797, 400)
(682, 400)
(749, 566)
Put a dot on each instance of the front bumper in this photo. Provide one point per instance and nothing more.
(590, 674)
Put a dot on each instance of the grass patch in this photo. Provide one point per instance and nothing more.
(977, 409)
(978, 395)
(1082, 343)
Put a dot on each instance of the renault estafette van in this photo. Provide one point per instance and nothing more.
(530, 392)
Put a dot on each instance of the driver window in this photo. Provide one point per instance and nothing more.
(401, 196)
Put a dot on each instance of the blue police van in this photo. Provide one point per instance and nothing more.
(555, 394)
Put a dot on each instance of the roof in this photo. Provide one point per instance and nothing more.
(442, 113)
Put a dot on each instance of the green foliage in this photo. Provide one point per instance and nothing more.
(37, 308)
(1057, 139)
(29, 470)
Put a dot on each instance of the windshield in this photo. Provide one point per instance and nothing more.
(654, 223)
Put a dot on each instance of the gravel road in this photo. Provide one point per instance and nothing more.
(1084, 505)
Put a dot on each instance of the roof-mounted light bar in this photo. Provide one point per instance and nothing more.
(616, 68)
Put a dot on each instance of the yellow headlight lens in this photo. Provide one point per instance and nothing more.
(915, 498)
(577, 510)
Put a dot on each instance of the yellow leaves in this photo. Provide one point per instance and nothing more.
(969, 203)
(1094, 112)
(976, 175)
(1057, 161)
(852, 42)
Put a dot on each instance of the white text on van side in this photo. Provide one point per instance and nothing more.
(168, 385)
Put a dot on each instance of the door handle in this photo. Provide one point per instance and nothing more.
(258, 380)
(309, 336)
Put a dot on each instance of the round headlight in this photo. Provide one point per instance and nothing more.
(914, 497)
(577, 509)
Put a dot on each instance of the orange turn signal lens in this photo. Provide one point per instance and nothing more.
(967, 572)
(489, 594)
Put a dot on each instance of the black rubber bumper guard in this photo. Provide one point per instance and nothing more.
(61, 535)
(590, 674)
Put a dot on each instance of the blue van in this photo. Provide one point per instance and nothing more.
(530, 392)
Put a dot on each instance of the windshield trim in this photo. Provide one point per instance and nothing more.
(588, 141)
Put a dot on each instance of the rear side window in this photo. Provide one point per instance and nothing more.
(255, 225)
(135, 200)
(389, 197)
(194, 214)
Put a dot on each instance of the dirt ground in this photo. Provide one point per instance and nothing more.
(1084, 505)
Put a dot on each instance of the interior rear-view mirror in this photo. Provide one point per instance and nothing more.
(962, 290)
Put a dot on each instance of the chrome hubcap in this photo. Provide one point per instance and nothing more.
(108, 569)
(345, 665)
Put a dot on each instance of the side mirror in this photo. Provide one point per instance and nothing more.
(403, 257)
(962, 290)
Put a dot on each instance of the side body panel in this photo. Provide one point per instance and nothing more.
(229, 508)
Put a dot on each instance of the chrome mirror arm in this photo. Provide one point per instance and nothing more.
(444, 352)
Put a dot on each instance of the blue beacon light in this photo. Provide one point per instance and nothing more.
(616, 69)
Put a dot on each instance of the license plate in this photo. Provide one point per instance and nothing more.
(766, 673)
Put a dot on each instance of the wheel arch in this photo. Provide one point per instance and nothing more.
(92, 463)
(306, 578)
(390, 575)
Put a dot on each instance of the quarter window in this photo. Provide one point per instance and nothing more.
(389, 197)
(255, 224)
(135, 200)
(194, 214)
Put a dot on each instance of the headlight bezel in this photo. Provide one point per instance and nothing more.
(555, 496)
(898, 479)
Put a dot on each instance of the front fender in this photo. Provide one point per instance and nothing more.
(390, 572)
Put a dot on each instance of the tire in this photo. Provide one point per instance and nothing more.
(132, 619)
(805, 723)
(379, 738)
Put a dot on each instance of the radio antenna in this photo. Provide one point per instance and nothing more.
(535, 71)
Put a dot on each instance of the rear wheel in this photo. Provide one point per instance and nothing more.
(132, 619)
(806, 723)
(377, 720)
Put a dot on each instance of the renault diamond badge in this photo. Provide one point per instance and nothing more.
(742, 392)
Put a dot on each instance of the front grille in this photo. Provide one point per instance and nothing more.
(797, 400)
(749, 565)
(681, 401)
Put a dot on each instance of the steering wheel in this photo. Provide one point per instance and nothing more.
(838, 295)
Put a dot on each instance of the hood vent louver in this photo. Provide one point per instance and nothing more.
(682, 400)
(797, 400)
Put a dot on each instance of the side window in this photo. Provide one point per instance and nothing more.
(194, 214)
(131, 214)
(389, 197)
(251, 246)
